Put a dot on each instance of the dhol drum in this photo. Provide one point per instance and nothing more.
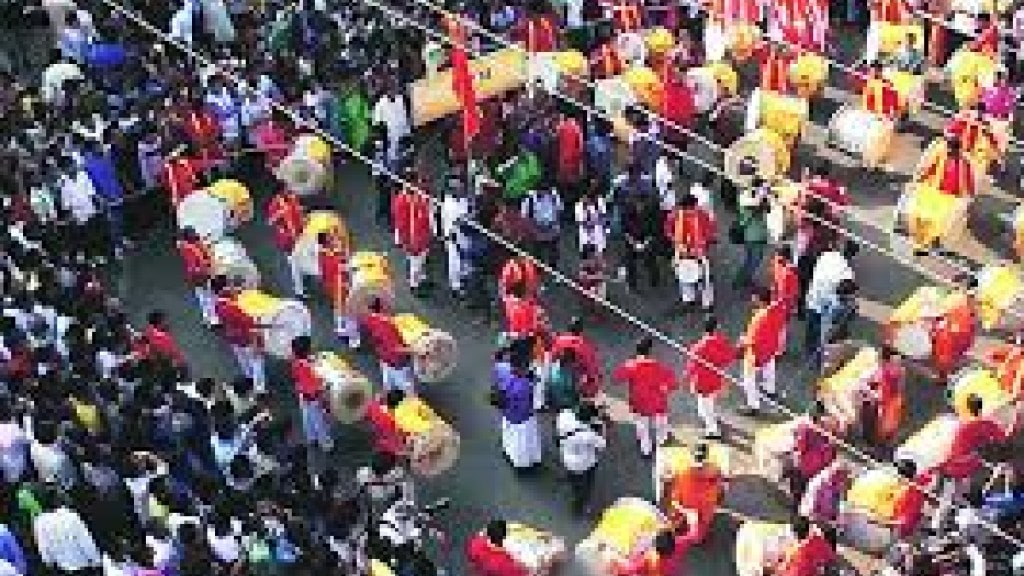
(909, 87)
(236, 197)
(379, 568)
(688, 270)
(435, 352)
(762, 150)
(306, 247)
(782, 114)
(761, 545)
(997, 404)
(231, 259)
(203, 212)
(613, 95)
(307, 168)
(808, 74)
(930, 445)
(842, 391)
(862, 134)
(970, 72)
(645, 85)
(868, 503)
(705, 88)
(932, 216)
(538, 551)
(884, 39)
(435, 444)
(626, 528)
(771, 445)
(1000, 296)
(348, 389)
(908, 329)
(283, 320)
(370, 280)
(671, 460)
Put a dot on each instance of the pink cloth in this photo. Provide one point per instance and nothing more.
(999, 101)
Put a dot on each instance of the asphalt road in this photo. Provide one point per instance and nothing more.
(481, 484)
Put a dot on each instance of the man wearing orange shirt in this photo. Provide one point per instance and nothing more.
(198, 260)
(709, 358)
(666, 558)
(312, 395)
(241, 333)
(691, 231)
(694, 493)
(414, 228)
(649, 383)
(814, 551)
(762, 343)
(332, 260)
(585, 352)
(286, 216)
(951, 172)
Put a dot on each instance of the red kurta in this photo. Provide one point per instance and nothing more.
(387, 437)
(519, 271)
(775, 72)
(486, 559)
(523, 316)
(410, 213)
(970, 436)
(708, 358)
(677, 106)
(605, 61)
(203, 130)
(586, 357)
(807, 558)
(785, 285)
(952, 337)
(285, 215)
(971, 131)
(308, 384)
(237, 327)
(699, 489)
(181, 177)
(570, 150)
(386, 339)
(954, 177)
(649, 383)
(537, 34)
(271, 138)
(333, 265)
(691, 231)
(161, 344)
(198, 261)
(764, 336)
(879, 97)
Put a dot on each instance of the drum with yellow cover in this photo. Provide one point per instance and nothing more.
(646, 86)
(538, 551)
(931, 216)
(929, 446)
(808, 74)
(870, 501)
(370, 280)
(282, 320)
(760, 546)
(626, 528)
(741, 39)
(863, 134)
(236, 197)
(659, 41)
(710, 83)
(348, 389)
(1000, 297)
(969, 73)
(307, 168)
(1017, 225)
(434, 443)
(996, 403)
(909, 87)
(908, 329)
(884, 39)
(209, 216)
(671, 460)
(783, 114)
(435, 353)
(762, 149)
(842, 391)
(379, 568)
(307, 246)
(772, 443)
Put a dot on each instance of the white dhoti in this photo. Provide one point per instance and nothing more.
(455, 266)
(708, 415)
(206, 303)
(650, 431)
(755, 379)
(251, 363)
(298, 287)
(521, 442)
(689, 289)
(417, 269)
(396, 378)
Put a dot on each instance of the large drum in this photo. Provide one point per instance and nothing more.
(931, 216)
(282, 320)
(997, 404)
(1000, 297)
(909, 329)
(863, 134)
(869, 501)
(203, 212)
(782, 114)
(236, 197)
(370, 280)
(231, 259)
(671, 460)
(930, 445)
(559, 71)
(808, 74)
(307, 168)
(379, 568)
(306, 247)
(884, 39)
(765, 151)
(842, 391)
(435, 444)
(645, 85)
(435, 352)
(909, 87)
(627, 528)
(348, 389)
(538, 551)
(760, 546)
(741, 40)
(772, 444)
(970, 72)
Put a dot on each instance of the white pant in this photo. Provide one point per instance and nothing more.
(251, 362)
(396, 378)
(347, 328)
(950, 489)
(298, 287)
(417, 269)
(646, 426)
(688, 290)
(706, 411)
(206, 304)
(455, 266)
(753, 377)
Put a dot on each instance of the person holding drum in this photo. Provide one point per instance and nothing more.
(390, 348)
(412, 216)
(487, 556)
(951, 173)
(649, 383)
(198, 259)
(240, 332)
(158, 343)
(691, 230)
(666, 558)
(286, 216)
(312, 396)
(387, 438)
(332, 260)
(708, 359)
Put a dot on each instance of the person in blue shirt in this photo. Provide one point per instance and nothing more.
(101, 171)
(11, 551)
(599, 153)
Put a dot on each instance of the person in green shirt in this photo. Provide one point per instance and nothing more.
(521, 175)
(752, 231)
(350, 115)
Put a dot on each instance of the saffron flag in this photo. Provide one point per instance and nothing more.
(462, 79)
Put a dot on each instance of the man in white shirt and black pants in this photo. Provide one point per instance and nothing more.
(580, 443)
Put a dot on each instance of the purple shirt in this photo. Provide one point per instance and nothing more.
(518, 398)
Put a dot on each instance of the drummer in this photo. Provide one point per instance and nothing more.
(412, 215)
(312, 396)
(332, 259)
(198, 260)
(708, 359)
(286, 215)
(487, 556)
(667, 556)
(951, 173)
(879, 96)
(691, 230)
(909, 503)
(883, 408)
(391, 349)
(585, 354)
(240, 332)
(519, 270)
(387, 437)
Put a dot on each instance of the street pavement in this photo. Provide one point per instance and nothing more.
(482, 485)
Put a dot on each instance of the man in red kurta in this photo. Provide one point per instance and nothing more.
(952, 336)
(585, 353)
(286, 216)
(241, 333)
(707, 360)
(649, 384)
(197, 257)
(181, 177)
(569, 138)
(775, 69)
(951, 172)
(387, 437)
(158, 342)
(519, 270)
(537, 33)
(332, 262)
(667, 557)
(271, 138)
(412, 217)
(972, 130)
(487, 556)
(908, 505)
(762, 343)
(677, 107)
(525, 323)
(203, 131)
(312, 393)
(690, 229)
(785, 281)
(891, 11)
(391, 349)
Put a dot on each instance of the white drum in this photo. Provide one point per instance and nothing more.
(283, 320)
(305, 252)
(861, 133)
(913, 340)
(688, 270)
(771, 444)
(759, 545)
(705, 88)
(204, 213)
(613, 96)
(632, 49)
(930, 446)
(538, 551)
(349, 390)
(231, 259)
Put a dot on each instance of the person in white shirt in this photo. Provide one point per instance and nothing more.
(591, 219)
(665, 170)
(181, 24)
(79, 198)
(580, 442)
(14, 445)
(390, 110)
(454, 208)
(63, 541)
(831, 268)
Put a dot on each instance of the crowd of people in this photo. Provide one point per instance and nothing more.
(119, 456)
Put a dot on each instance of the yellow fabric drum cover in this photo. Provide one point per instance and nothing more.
(808, 74)
(999, 295)
(284, 320)
(996, 402)
(348, 389)
(933, 216)
(236, 196)
(931, 445)
(371, 279)
(764, 149)
(870, 500)
(435, 444)
(538, 551)
(645, 85)
(306, 247)
(435, 352)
